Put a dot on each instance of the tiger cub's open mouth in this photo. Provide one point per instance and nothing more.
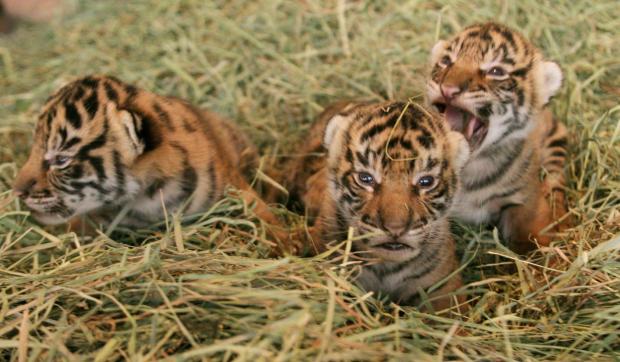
(473, 128)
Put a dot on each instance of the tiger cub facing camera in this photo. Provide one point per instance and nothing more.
(493, 85)
(390, 171)
(101, 145)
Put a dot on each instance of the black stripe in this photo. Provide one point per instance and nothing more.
(75, 171)
(378, 128)
(97, 163)
(510, 154)
(411, 163)
(344, 178)
(49, 118)
(522, 72)
(156, 185)
(72, 142)
(507, 206)
(438, 206)
(90, 82)
(520, 97)
(78, 186)
(188, 127)
(430, 163)
(131, 91)
(120, 175)
(189, 176)
(190, 179)
(78, 93)
(349, 155)
(509, 38)
(514, 126)
(362, 159)
(111, 92)
(213, 187)
(98, 142)
(438, 191)
(346, 198)
(501, 195)
(164, 117)
(62, 132)
(558, 163)
(473, 34)
(91, 104)
(72, 115)
(561, 142)
(406, 144)
(426, 140)
(426, 268)
(149, 134)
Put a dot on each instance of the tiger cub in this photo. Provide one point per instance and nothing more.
(101, 145)
(390, 171)
(493, 85)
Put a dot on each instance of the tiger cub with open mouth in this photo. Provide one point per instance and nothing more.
(101, 145)
(389, 171)
(493, 86)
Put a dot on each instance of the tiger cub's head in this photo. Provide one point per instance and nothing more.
(489, 80)
(393, 172)
(84, 143)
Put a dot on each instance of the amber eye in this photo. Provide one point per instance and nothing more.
(365, 179)
(445, 61)
(496, 72)
(426, 182)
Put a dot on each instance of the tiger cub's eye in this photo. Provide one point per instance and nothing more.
(426, 181)
(496, 72)
(365, 179)
(61, 161)
(445, 61)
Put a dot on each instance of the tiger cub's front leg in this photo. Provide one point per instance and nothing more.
(544, 213)
(536, 221)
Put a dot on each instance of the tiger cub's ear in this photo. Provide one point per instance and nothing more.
(460, 150)
(334, 126)
(437, 51)
(132, 124)
(551, 80)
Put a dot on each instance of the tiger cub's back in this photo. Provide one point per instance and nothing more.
(101, 144)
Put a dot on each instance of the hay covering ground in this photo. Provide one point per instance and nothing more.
(206, 289)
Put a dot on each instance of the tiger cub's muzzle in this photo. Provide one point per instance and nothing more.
(392, 232)
(46, 205)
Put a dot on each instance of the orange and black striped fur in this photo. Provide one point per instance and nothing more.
(493, 85)
(101, 145)
(389, 171)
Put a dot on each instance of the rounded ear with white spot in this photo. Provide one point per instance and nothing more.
(460, 149)
(551, 80)
(437, 51)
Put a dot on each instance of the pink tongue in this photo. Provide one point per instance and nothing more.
(472, 125)
(454, 116)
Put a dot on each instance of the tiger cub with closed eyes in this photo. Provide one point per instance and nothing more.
(493, 85)
(101, 145)
(390, 171)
